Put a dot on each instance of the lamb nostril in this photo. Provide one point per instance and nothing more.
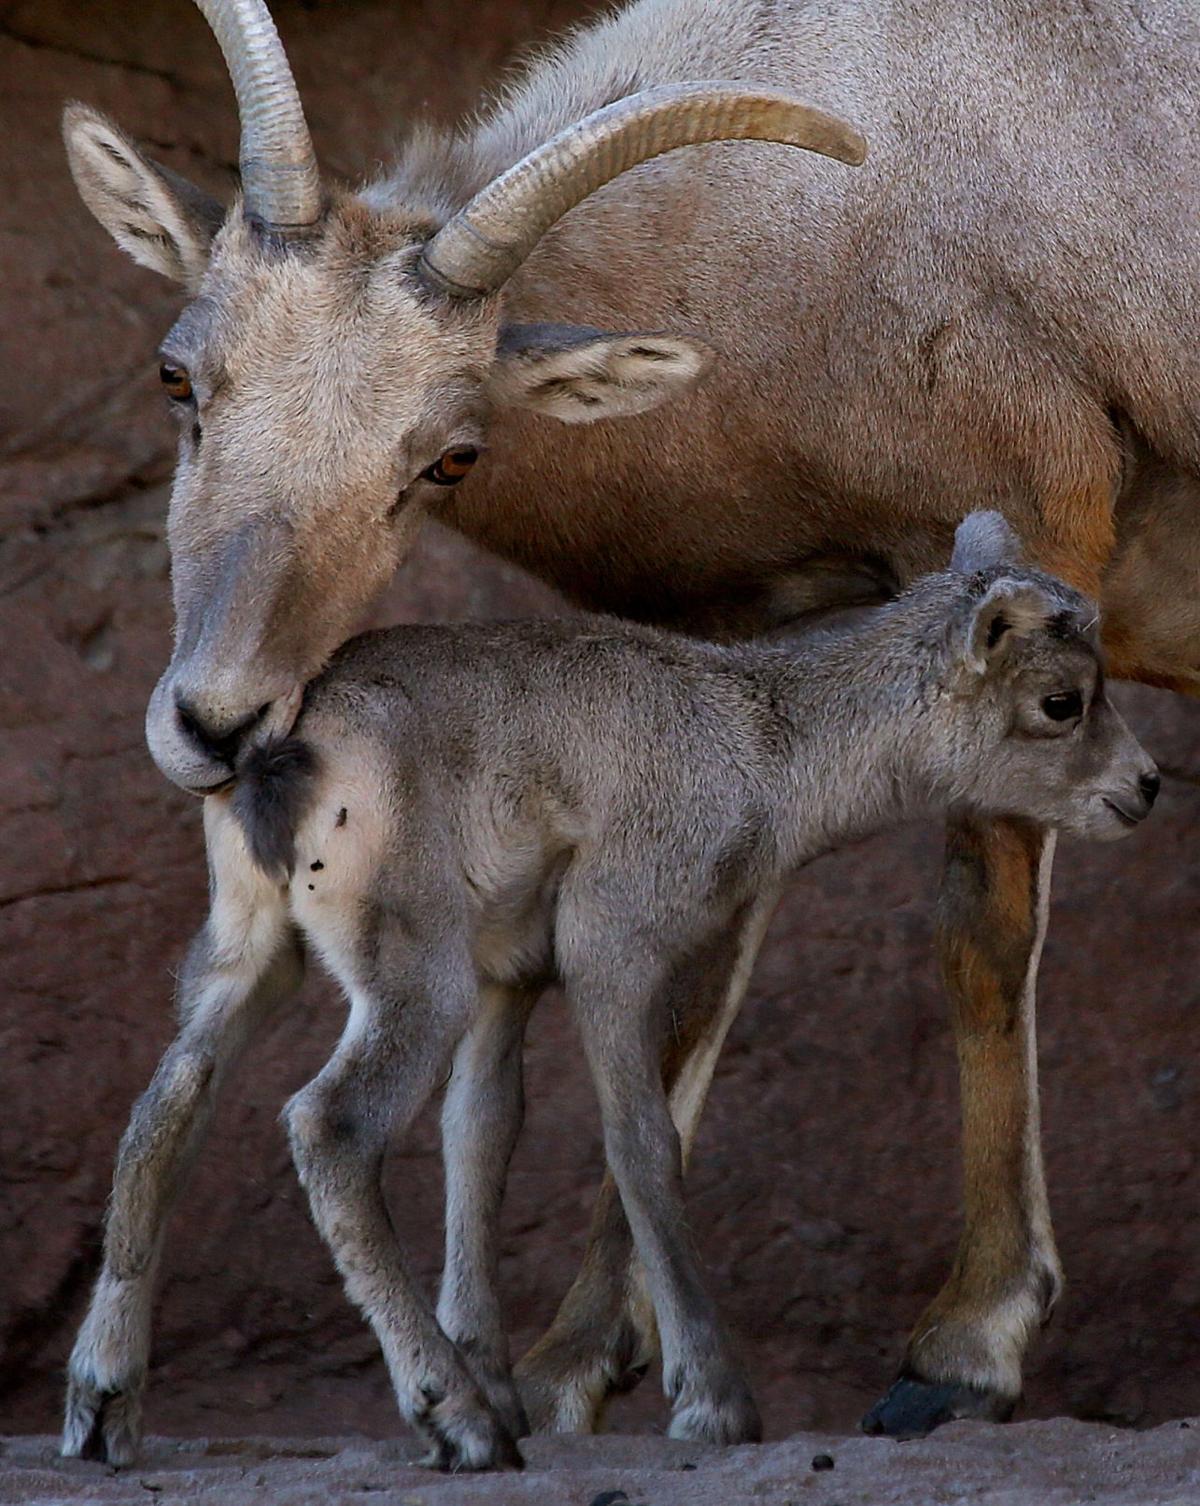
(1148, 786)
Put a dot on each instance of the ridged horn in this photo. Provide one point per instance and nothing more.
(280, 181)
(479, 249)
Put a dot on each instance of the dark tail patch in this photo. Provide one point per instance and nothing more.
(273, 787)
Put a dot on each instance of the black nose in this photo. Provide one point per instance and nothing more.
(221, 742)
(1149, 785)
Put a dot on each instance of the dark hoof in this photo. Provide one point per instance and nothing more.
(913, 1408)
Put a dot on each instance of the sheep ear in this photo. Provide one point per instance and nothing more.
(984, 541)
(577, 374)
(1009, 611)
(162, 221)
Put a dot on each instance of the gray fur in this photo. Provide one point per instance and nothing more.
(984, 541)
(498, 807)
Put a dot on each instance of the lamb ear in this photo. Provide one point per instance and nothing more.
(162, 221)
(578, 374)
(984, 541)
(1008, 611)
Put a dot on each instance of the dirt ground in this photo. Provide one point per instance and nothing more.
(1058, 1463)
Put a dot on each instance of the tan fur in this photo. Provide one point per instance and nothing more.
(1007, 1275)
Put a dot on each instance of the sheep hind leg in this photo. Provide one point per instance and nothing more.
(964, 1357)
(604, 1337)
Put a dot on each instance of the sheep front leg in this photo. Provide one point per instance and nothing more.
(964, 1357)
(404, 1024)
(603, 1338)
(242, 963)
(481, 1119)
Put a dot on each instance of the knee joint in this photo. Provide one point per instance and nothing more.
(319, 1126)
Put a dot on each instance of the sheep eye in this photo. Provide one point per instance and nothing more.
(451, 466)
(176, 382)
(1063, 706)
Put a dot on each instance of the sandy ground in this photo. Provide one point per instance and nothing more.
(1057, 1463)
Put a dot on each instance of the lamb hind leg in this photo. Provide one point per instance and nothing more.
(404, 1024)
(242, 963)
(964, 1356)
(604, 1336)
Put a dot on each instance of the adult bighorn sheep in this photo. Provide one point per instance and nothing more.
(1000, 309)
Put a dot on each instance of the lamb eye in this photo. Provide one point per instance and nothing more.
(176, 382)
(451, 466)
(1063, 706)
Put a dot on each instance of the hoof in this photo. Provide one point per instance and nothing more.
(721, 1412)
(726, 1424)
(913, 1407)
(566, 1381)
(103, 1426)
(563, 1399)
(455, 1455)
(466, 1435)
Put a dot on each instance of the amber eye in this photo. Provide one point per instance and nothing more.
(176, 382)
(449, 468)
(1064, 706)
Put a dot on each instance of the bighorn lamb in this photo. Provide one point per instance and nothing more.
(1000, 308)
(465, 814)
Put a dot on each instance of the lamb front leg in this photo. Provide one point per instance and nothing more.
(242, 963)
(604, 1336)
(481, 1119)
(964, 1357)
(619, 1011)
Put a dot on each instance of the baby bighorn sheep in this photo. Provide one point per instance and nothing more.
(463, 814)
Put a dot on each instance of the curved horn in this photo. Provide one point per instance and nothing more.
(280, 181)
(477, 250)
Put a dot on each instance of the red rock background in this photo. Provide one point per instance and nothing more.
(825, 1183)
